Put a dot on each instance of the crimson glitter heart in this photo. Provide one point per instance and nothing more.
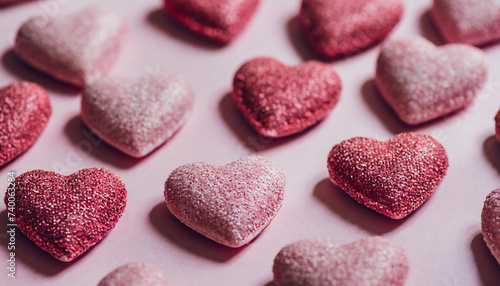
(394, 177)
(490, 223)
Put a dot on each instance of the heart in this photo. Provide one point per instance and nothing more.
(279, 101)
(467, 21)
(66, 215)
(24, 112)
(497, 125)
(135, 274)
(369, 261)
(75, 49)
(343, 27)
(394, 177)
(490, 223)
(422, 82)
(9, 2)
(137, 117)
(218, 20)
(229, 204)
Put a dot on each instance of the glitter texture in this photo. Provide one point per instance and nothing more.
(135, 274)
(421, 82)
(229, 204)
(369, 261)
(75, 49)
(497, 125)
(137, 117)
(394, 177)
(490, 223)
(218, 20)
(66, 215)
(468, 21)
(24, 112)
(343, 27)
(279, 101)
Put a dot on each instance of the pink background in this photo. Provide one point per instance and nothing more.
(442, 239)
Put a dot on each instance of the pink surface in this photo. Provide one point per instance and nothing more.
(441, 239)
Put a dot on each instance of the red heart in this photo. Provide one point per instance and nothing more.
(279, 101)
(75, 49)
(394, 177)
(66, 215)
(229, 204)
(421, 82)
(24, 112)
(369, 261)
(218, 20)
(490, 223)
(342, 27)
(468, 21)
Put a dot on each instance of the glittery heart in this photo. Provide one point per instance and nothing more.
(394, 177)
(24, 112)
(468, 21)
(421, 82)
(342, 27)
(75, 49)
(66, 215)
(229, 204)
(497, 125)
(490, 223)
(369, 261)
(137, 117)
(218, 20)
(135, 274)
(279, 101)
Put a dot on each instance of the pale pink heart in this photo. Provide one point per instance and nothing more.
(135, 274)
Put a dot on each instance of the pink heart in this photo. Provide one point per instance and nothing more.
(9, 2)
(421, 82)
(24, 112)
(490, 223)
(369, 261)
(394, 177)
(66, 215)
(135, 274)
(218, 20)
(279, 101)
(75, 49)
(229, 204)
(468, 21)
(137, 117)
(342, 27)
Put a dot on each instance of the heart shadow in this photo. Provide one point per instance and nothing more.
(181, 235)
(491, 149)
(298, 40)
(270, 283)
(487, 266)
(352, 211)
(429, 30)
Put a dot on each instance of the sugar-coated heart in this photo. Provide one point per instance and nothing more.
(229, 204)
(137, 117)
(75, 49)
(422, 82)
(490, 223)
(24, 112)
(135, 274)
(342, 27)
(66, 215)
(218, 20)
(394, 177)
(468, 21)
(497, 125)
(279, 101)
(369, 261)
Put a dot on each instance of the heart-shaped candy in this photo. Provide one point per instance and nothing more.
(66, 215)
(137, 117)
(218, 20)
(422, 82)
(279, 101)
(394, 177)
(135, 274)
(369, 261)
(8, 2)
(497, 125)
(75, 49)
(490, 223)
(342, 27)
(24, 112)
(229, 204)
(468, 21)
